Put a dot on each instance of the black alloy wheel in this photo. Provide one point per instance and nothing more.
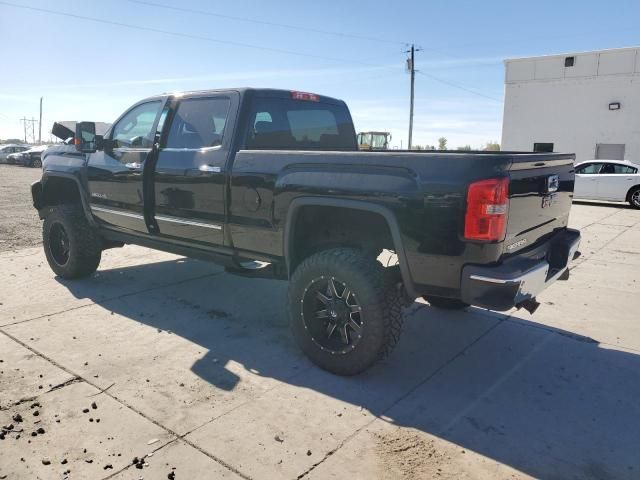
(59, 244)
(332, 315)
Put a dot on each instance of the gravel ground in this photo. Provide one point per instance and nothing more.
(19, 222)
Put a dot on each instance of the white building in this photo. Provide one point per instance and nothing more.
(584, 103)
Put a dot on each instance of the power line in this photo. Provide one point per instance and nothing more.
(226, 42)
(268, 23)
(458, 86)
(183, 35)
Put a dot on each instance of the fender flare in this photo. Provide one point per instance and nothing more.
(386, 213)
(38, 188)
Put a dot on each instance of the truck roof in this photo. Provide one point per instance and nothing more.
(263, 92)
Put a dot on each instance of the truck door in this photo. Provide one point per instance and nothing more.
(116, 174)
(190, 173)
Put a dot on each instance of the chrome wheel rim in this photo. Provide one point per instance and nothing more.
(332, 315)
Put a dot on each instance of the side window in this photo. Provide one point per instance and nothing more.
(135, 129)
(590, 168)
(199, 123)
(623, 169)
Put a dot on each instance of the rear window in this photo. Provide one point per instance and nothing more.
(283, 124)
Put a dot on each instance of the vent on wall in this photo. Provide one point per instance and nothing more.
(569, 61)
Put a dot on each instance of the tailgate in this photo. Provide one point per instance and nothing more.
(540, 196)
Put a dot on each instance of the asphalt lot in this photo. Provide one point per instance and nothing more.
(194, 371)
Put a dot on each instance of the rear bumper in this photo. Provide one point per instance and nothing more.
(520, 278)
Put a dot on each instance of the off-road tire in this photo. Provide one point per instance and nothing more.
(83, 243)
(377, 296)
(446, 303)
(634, 198)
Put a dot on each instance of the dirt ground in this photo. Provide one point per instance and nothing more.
(19, 223)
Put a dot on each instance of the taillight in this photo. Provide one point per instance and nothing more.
(487, 205)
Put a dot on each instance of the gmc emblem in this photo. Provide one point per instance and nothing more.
(553, 183)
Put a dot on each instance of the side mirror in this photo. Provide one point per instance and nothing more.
(85, 139)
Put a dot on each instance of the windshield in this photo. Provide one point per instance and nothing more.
(378, 141)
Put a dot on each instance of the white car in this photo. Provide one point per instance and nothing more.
(611, 180)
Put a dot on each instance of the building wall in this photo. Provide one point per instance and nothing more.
(569, 106)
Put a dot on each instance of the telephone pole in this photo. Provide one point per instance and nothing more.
(24, 121)
(40, 124)
(411, 64)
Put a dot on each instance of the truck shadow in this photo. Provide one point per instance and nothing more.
(546, 402)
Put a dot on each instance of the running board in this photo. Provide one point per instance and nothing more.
(255, 269)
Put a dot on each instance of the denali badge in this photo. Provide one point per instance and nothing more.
(517, 244)
(553, 182)
(98, 195)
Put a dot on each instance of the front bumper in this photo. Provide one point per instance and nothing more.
(521, 277)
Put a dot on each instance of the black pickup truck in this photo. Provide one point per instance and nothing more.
(270, 183)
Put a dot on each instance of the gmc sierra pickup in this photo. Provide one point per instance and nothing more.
(270, 183)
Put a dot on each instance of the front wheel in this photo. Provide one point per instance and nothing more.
(344, 315)
(634, 198)
(37, 163)
(73, 249)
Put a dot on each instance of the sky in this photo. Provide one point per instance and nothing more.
(93, 59)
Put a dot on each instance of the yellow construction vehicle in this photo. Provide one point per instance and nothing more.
(374, 140)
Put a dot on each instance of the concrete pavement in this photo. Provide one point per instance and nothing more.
(193, 371)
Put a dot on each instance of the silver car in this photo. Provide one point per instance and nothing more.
(6, 150)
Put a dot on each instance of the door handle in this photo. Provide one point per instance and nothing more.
(209, 169)
(133, 166)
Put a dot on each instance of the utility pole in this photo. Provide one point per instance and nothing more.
(411, 66)
(24, 121)
(40, 124)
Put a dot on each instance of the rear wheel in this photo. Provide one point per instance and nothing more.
(73, 249)
(446, 303)
(344, 315)
(37, 163)
(634, 198)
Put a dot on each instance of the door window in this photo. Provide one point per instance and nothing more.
(135, 129)
(616, 168)
(589, 169)
(199, 123)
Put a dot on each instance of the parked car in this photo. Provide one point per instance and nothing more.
(31, 157)
(611, 180)
(6, 150)
(270, 184)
